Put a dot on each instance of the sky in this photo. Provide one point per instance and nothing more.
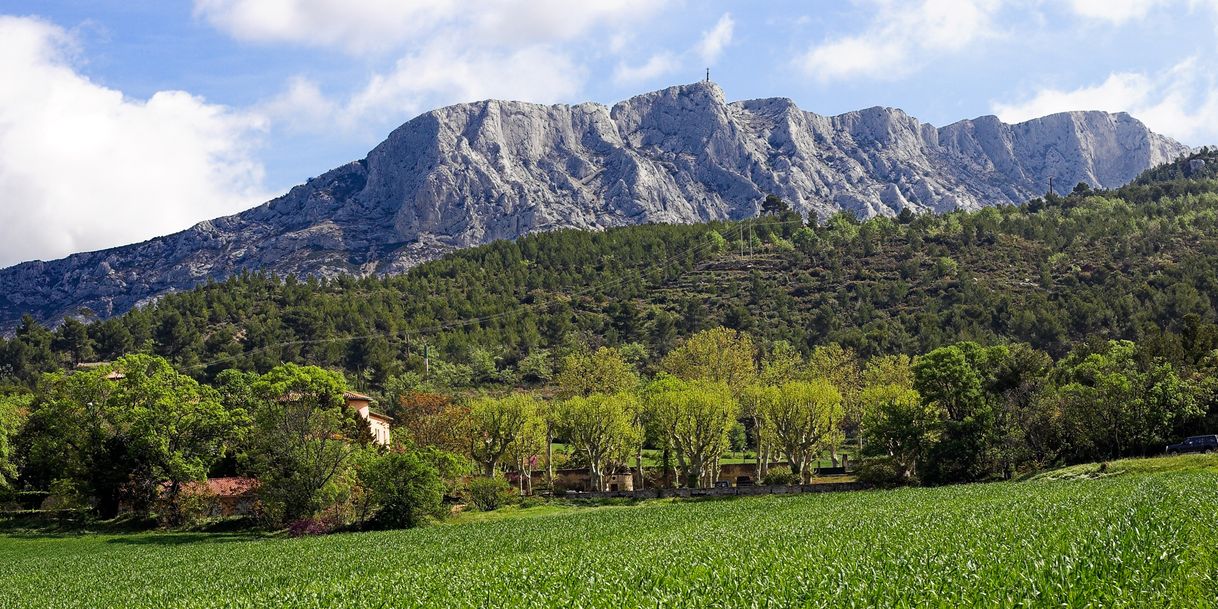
(121, 120)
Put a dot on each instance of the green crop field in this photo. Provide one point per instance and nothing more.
(1138, 534)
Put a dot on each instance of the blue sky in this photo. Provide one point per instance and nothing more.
(124, 120)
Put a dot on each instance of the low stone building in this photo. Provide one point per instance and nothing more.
(228, 496)
(580, 479)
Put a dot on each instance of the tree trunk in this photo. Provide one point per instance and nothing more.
(549, 458)
(638, 464)
(757, 436)
(175, 504)
(594, 476)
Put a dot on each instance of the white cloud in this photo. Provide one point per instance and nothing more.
(377, 25)
(716, 39)
(301, 107)
(901, 37)
(656, 66)
(446, 51)
(357, 27)
(1115, 11)
(83, 167)
(1181, 102)
(444, 71)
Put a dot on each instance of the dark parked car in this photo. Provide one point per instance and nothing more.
(1195, 444)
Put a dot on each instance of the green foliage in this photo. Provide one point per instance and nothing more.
(774, 206)
(717, 355)
(496, 426)
(404, 489)
(303, 439)
(780, 475)
(536, 367)
(694, 418)
(802, 422)
(899, 429)
(489, 494)
(603, 428)
(14, 408)
(602, 371)
(1117, 403)
(119, 431)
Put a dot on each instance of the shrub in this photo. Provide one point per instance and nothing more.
(780, 476)
(489, 494)
(65, 495)
(192, 505)
(882, 471)
(308, 526)
(403, 489)
(328, 521)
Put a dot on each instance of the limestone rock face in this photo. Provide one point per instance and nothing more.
(473, 173)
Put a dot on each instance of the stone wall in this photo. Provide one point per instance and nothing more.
(653, 493)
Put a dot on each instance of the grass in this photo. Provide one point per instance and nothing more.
(1143, 535)
(1131, 466)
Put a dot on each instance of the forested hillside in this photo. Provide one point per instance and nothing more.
(1138, 262)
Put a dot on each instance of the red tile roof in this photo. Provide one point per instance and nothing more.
(232, 486)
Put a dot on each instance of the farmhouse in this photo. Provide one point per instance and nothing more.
(227, 496)
(379, 423)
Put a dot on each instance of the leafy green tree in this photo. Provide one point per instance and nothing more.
(781, 364)
(404, 490)
(494, 425)
(14, 408)
(120, 431)
(483, 366)
(900, 426)
(695, 418)
(536, 367)
(888, 370)
(304, 438)
(1115, 405)
(774, 206)
(756, 401)
(603, 428)
(840, 367)
(802, 422)
(717, 355)
(602, 371)
(946, 378)
(948, 381)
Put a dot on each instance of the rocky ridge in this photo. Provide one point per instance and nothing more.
(471, 173)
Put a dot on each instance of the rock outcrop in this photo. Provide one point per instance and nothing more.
(473, 173)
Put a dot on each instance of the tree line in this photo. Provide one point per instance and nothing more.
(133, 435)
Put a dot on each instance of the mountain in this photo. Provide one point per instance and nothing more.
(1060, 273)
(473, 173)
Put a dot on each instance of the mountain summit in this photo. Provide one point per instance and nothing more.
(472, 173)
